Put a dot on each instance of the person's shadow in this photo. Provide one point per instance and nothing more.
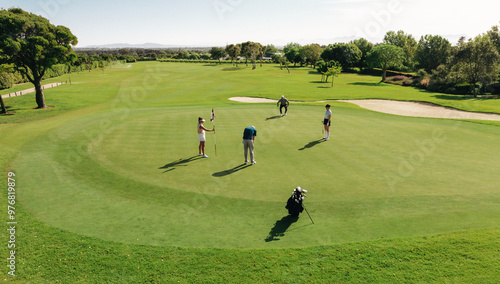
(231, 171)
(312, 144)
(273, 117)
(181, 162)
(280, 228)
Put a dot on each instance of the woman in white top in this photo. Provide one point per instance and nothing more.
(201, 137)
(327, 121)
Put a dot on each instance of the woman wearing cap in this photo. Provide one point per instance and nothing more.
(327, 121)
(201, 137)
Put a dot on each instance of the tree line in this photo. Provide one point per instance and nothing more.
(432, 61)
(471, 66)
(31, 48)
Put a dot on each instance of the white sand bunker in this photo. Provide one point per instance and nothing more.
(418, 109)
(252, 100)
(415, 109)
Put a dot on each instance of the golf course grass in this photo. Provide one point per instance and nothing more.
(114, 165)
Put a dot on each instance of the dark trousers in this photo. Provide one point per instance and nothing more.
(283, 106)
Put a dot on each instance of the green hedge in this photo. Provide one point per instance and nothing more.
(210, 61)
(6, 80)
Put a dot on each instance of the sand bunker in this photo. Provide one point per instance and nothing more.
(415, 109)
(252, 100)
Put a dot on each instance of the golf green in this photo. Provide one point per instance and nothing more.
(133, 175)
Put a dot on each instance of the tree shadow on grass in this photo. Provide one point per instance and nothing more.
(10, 110)
(456, 97)
(231, 171)
(379, 84)
(280, 228)
(312, 144)
(233, 68)
(179, 163)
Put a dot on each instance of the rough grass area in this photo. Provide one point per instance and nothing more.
(49, 255)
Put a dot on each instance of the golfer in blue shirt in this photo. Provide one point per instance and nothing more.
(248, 139)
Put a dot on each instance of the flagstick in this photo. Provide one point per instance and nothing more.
(215, 142)
(212, 118)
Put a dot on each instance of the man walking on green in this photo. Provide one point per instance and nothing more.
(248, 138)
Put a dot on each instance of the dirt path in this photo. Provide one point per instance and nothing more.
(415, 109)
(31, 90)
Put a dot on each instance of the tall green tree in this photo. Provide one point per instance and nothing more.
(233, 50)
(477, 61)
(292, 53)
(385, 56)
(245, 51)
(494, 35)
(311, 53)
(33, 45)
(406, 41)
(327, 69)
(278, 58)
(347, 54)
(270, 48)
(261, 54)
(365, 46)
(432, 51)
(217, 53)
(255, 51)
(333, 71)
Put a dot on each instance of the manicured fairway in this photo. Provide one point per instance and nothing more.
(110, 188)
(136, 178)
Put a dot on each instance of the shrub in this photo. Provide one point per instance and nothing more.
(422, 73)
(56, 71)
(409, 81)
(451, 90)
(424, 83)
(6, 80)
(397, 78)
(462, 89)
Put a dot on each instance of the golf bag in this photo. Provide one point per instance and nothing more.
(294, 203)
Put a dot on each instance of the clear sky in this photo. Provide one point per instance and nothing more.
(278, 22)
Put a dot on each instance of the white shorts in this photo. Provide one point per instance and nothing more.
(201, 137)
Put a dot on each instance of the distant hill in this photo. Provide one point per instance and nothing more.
(127, 45)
